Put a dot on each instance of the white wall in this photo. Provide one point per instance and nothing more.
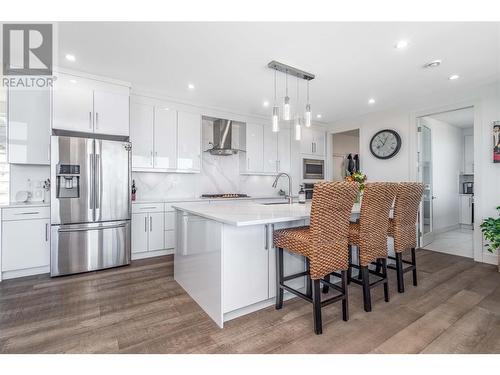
(447, 150)
(402, 167)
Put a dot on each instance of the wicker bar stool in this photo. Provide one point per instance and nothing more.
(403, 228)
(324, 244)
(369, 235)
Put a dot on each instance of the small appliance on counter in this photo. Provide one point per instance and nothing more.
(308, 189)
(468, 188)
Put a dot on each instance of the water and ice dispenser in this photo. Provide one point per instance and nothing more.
(68, 181)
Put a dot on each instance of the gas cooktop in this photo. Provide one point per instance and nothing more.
(227, 195)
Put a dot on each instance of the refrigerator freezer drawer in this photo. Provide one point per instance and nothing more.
(89, 247)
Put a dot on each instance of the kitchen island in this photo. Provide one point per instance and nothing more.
(224, 256)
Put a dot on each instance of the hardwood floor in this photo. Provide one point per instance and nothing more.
(141, 309)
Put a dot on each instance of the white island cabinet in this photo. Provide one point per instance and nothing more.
(224, 255)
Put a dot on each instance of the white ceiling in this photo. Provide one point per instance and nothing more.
(462, 118)
(227, 62)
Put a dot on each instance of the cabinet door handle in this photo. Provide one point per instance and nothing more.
(145, 224)
(46, 232)
(97, 120)
(152, 157)
(267, 236)
(151, 223)
(248, 164)
(90, 120)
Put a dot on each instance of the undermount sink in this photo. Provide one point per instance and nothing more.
(272, 203)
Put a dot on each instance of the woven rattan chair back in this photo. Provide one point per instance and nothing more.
(376, 205)
(404, 230)
(331, 209)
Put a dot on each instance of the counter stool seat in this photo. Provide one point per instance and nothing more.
(296, 240)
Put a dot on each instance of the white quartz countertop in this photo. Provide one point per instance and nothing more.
(24, 204)
(250, 213)
(199, 199)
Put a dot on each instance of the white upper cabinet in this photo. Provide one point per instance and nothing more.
(266, 152)
(165, 138)
(111, 113)
(254, 142)
(90, 106)
(141, 135)
(312, 142)
(29, 126)
(73, 104)
(188, 141)
(270, 150)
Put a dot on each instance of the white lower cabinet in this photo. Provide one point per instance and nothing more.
(465, 209)
(25, 241)
(156, 229)
(139, 233)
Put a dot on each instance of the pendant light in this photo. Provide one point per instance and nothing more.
(307, 114)
(298, 127)
(286, 103)
(276, 110)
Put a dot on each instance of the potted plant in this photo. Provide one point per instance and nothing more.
(491, 232)
(360, 178)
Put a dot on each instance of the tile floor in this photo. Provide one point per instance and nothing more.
(454, 242)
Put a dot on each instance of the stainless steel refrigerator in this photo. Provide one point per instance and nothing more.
(90, 204)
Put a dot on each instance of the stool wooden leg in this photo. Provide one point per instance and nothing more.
(366, 288)
(326, 288)
(308, 279)
(279, 278)
(399, 272)
(345, 300)
(386, 283)
(349, 270)
(414, 263)
(316, 295)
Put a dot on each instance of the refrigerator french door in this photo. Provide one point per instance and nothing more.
(90, 204)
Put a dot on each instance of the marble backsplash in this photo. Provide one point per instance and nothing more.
(219, 174)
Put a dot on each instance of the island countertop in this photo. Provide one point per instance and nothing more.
(245, 213)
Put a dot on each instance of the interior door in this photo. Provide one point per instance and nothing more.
(112, 180)
(425, 176)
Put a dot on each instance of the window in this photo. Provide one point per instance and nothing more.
(4, 166)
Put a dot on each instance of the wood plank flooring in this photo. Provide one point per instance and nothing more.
(141, 309)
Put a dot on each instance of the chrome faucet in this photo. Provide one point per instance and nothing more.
(275, 183)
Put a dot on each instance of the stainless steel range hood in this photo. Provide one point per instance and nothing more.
(222, 144)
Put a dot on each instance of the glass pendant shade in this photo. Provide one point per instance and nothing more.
(276, 124)
(298, 129)
(286, 109)
(307, 116)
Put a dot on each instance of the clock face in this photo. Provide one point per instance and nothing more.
(385, 144)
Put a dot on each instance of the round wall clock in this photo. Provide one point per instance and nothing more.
(385, 144)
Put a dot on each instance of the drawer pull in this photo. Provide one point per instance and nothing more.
(27, 213)
(147, 208)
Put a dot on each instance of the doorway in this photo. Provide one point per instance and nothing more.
(345, 154)
(446, 167)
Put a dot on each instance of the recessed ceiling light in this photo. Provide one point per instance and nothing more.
(433, 64)
(453, 77)
(190, 86)
(371, 101)
(265, 103)
(319, 115)
(70, 57)
(401, 44)
(72, 80)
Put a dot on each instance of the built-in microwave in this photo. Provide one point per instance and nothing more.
(314, 169)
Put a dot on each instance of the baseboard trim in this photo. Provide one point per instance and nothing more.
(25, 272)
(490, 258)
(151, 254)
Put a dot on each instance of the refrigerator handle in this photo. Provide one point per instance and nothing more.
(92, 187)
(97, 181)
